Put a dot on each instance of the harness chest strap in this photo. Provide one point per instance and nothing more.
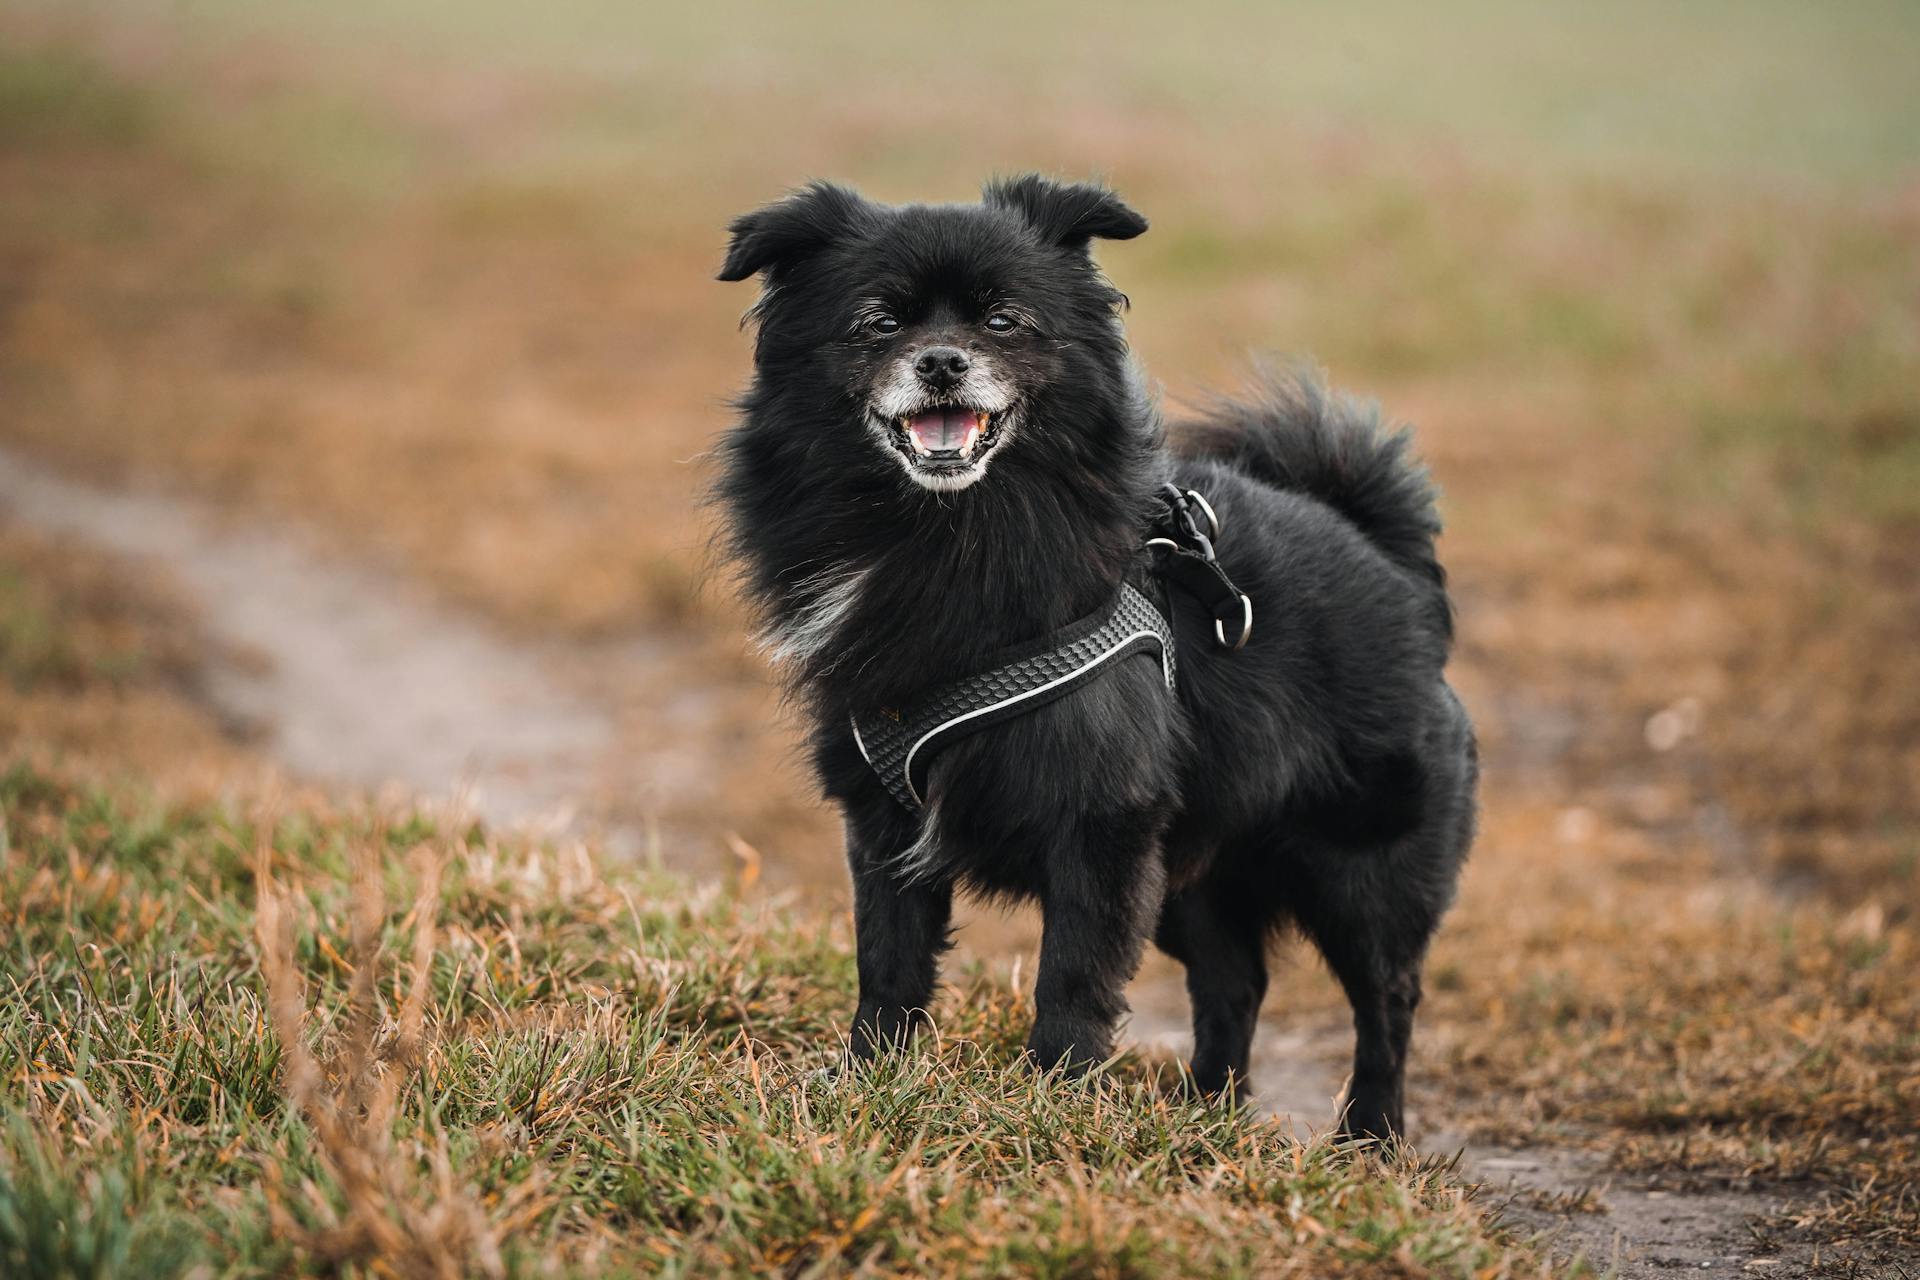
(900, 745)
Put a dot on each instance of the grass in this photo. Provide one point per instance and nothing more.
(246, 1044)
(104, 664)
(1724, 87)
(62, 95)
(78, 632)
(1783, 1053)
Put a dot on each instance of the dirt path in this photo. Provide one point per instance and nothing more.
(351, 676)
(1632, 1227)
(354, 676)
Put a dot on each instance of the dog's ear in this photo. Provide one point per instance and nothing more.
(787, 230)
(1065, 213)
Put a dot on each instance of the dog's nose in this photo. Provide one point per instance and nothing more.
(942, 367)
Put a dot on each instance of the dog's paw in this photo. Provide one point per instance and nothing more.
(1214, 1087)
(1373, 1118)
(1070, 1047)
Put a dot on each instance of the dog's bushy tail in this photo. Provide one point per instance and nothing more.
(1291, 432)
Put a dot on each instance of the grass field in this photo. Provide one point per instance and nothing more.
(431, 284)
(524, 1066)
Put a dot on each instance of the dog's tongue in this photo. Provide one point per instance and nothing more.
(944, 430)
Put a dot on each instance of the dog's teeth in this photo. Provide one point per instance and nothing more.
(973, 434)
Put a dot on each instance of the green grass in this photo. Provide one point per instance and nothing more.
(533, 1065)
(1850, 463)
(59, 95)
(41, 644)
(33, 649)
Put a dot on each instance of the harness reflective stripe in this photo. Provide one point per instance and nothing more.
(899, 746)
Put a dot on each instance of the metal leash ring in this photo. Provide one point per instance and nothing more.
(1246, 627)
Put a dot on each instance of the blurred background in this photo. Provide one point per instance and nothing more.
(427, 288)
(358, 362)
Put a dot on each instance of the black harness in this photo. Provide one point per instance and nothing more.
(900, 743)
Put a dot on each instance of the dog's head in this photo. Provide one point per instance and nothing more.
(940, 334)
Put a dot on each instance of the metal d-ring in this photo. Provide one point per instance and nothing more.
(1213, 521)
(1246, 627)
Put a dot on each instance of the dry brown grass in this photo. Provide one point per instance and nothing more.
(102, 662)
(1681, 1022)
(408, 1215)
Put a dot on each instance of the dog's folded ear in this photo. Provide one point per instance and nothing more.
(1065, 213)
(788, 230)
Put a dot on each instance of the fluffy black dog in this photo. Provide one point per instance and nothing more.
(946, 451)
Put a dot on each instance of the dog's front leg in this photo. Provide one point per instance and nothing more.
(1103, 889)
(900, 930)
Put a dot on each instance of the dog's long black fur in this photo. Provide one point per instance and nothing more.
(1321, 777)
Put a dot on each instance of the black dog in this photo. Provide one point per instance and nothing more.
(946, 453)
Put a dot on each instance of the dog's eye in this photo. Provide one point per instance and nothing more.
(886, 326)
(1001, 322)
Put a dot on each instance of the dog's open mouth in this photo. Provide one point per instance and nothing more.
(943, 447)
(947, 437)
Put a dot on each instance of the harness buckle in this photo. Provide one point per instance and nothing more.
(1180, 506)
(1213, 521)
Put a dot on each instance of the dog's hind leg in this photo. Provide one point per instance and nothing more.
(1371, 912)
(1383, 985)
(900, 931)
(1208, 928)
(1371, 895)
